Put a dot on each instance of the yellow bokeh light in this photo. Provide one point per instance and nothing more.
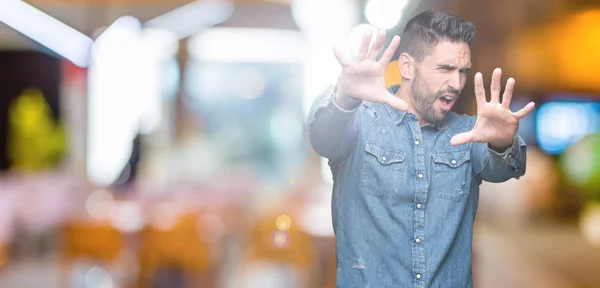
(559, 55)
(283, 222)
(392, 74)
(589, 224)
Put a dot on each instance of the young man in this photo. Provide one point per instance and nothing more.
(407, 170)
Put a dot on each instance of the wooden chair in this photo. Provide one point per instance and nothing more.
(289, 248)
(179, 247)
(97, 241)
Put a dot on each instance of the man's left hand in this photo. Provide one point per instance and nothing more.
(496, 124)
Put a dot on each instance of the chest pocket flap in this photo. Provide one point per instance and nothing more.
(383, 155)
(452, 159)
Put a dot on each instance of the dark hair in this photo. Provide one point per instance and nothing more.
(427, 29)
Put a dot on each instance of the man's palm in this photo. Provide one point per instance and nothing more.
(496, 124)
(363, 78)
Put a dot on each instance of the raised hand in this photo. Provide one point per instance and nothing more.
(496, 124)
(363, 78)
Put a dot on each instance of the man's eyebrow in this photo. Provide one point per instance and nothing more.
(453, 67)
(447, 66)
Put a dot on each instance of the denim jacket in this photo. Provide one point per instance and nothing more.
(404, 199)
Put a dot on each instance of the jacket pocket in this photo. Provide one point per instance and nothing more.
(451, 172)
(382, 171)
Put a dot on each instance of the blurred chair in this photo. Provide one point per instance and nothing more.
(330, 271)
(178, 250)
(3, 256)
(288, 257)
(95, 241)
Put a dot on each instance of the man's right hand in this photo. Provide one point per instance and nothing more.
(362, 79)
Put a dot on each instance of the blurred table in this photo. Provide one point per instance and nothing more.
(544, 255)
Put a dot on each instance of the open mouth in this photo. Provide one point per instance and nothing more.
(446, 101)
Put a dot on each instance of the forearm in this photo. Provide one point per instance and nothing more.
(500, 166)
(332, 124)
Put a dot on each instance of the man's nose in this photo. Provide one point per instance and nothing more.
(454, 81)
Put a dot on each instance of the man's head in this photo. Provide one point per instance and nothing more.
(435, 58)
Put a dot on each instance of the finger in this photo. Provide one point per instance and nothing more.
(389, 52)
(341, 57)
(525, 111)
(495, 86)
(363, 49)
(379, 40)
(508, 92)
(462, 138)
(394, 101)
(479, 90)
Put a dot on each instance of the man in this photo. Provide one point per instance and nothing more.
(407, 170)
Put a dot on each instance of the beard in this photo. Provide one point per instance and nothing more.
(424, 101)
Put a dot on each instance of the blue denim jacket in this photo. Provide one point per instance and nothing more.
(404, 199)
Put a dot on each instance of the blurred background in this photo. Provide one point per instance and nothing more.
(149, 143)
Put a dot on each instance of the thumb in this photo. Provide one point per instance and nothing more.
(395, 102)
(462, 138)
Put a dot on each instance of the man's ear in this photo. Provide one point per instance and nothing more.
(406, 65)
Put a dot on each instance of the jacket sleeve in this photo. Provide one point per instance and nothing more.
(332, 130)
(495, 167)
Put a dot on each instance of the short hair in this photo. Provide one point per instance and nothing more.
(424, 31)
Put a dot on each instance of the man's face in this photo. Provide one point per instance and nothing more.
(439, 79)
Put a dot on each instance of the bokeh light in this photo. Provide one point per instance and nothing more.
(283, 222)
(384, 14)
(100, 205)
(590, 224)
(164, 216)
(581, 165)
(98, 278)
(127, 217)
(280, 239)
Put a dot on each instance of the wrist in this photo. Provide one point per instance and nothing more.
(344, 100)
(500, 147)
